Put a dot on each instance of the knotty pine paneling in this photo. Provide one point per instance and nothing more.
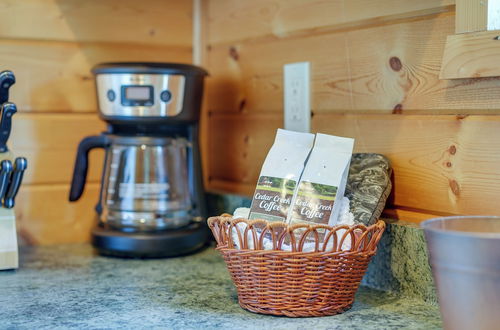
(445, 163)
(472, 16)
(393, 67)
(371, 61)
(56, 77)
(236, 20)
(236, 145)
(408, 215)
(44, 215)
(471, 55)
(248, 77)
(49, 141)
(159, 22)
(442, 164)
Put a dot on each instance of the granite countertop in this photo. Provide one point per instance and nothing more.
(68, 286)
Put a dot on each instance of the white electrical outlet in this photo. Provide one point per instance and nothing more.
(297, 97)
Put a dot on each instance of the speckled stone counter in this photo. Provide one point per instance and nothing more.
(401, 264)
(69, 286)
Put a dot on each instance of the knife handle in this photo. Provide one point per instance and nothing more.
(7, 79)
(5, 170)
(20, 165)
(8, 110)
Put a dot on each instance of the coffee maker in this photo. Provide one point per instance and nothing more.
(151, 202)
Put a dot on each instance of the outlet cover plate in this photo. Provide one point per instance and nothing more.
(296, 79)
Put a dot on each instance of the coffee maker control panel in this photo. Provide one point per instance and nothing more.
(137, 95)
(140, 95)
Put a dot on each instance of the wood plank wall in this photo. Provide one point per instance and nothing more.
(51, 46)
(375, 67)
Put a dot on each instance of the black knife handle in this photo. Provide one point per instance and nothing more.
(20, 165)
(7, 79)
(8, 110)
(5, 170)
(81, 163)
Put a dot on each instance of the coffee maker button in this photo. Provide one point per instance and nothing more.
(165, 96)
(111, 95)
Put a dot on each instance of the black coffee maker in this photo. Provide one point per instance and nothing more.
(151, 201)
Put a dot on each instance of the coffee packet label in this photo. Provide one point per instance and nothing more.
(323, 181)
(314, 202)
(273, 197)
(279, 175)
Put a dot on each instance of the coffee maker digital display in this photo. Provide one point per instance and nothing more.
(151, 201)
(138, 93)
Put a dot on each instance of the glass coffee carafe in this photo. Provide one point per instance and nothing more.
(145, 184)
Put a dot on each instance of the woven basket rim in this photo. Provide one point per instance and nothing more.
(228, 217)
(221, 226)
(294, 253)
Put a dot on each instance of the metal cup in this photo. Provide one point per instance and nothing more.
(464, 253)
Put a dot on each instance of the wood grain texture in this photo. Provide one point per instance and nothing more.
(56, 77)
(389, 68)
(248, 77)
(408, 215)
(203, 25)
(160, 22)
(239, 144)
(471, 55)
(49, 142)
(442, 164)
(279, 18)
(471, 15)
(44, 215)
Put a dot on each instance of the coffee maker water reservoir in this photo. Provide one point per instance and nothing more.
(151, 202)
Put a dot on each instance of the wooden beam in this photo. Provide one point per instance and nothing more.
(477, 15)
(471, 15)
(471, 55)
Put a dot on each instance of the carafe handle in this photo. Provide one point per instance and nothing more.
(81, 163)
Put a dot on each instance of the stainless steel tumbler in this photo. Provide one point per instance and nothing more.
(464, 253)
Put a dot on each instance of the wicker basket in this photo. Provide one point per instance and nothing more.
(286, 280)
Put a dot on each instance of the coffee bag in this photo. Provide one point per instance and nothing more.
(279, 175)
(322, 182)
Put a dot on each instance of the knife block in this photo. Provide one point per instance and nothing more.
(9, 258)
